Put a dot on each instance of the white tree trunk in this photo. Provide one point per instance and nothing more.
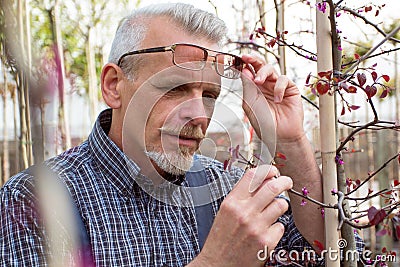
(63, 118)
(91, 61)
(328, 134)
(5, 157)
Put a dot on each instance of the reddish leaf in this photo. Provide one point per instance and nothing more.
(322, 88)
(370, 191)
(271, 43)
(280, 155)
(352, 89)
(226, 162)
(319, 245)
(396, 182)
(377, 13)
(384, 93)
(381, 232)
(343, 111)
(386, 78)
(398, 231)
(326, 74)
(361, 78)
(370, 91)
(356, 56)
(368, 8)
(376, 216)
(354, 107)
(374, 75)
(398, 159)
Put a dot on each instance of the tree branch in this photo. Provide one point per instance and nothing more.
(364, 57)
(374, 173)
(368, 22)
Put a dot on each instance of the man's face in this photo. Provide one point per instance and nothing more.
(183, 99)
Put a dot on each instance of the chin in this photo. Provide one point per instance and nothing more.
(174, 163)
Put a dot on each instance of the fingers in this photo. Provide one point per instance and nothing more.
(269, 190)
(267, 77)
(281, 86)
(255, 61)
(253, 178)
(273, 211)
(275, 233)
(264, 187)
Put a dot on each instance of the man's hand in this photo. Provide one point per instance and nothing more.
(282, 95)
(246, 222)
(284, 101)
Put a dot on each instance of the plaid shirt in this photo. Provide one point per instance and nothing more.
(125, 225)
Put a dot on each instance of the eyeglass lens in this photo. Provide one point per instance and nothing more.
(194, 58)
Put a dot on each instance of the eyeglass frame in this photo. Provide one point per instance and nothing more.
(172, 47)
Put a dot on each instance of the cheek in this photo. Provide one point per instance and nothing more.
(156, 120)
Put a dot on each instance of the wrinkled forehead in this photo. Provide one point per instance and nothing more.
(157, 35)
(173, 77)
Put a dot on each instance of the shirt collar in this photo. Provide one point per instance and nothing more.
(116, 167)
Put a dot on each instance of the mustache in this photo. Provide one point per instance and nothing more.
(187, 131)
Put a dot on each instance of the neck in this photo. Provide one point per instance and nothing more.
(115, 133)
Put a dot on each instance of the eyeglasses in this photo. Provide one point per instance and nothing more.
(194, 57)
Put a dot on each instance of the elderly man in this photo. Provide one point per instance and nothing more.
(116, 177)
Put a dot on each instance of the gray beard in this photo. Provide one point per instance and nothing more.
(175, 163)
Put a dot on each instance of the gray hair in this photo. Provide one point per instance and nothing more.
(131, 30)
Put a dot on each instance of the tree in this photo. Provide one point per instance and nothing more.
(340, 80)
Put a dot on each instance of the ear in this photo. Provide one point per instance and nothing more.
(112, 81)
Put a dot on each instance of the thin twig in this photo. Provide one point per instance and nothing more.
(356, 14)
(374, 173)
(364, 57)
(329, 206)
(310, 102)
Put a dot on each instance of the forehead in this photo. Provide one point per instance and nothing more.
(161, 31)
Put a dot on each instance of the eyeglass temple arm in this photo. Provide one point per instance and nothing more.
(147, 50)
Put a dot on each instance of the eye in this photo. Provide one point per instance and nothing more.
(176, 90)
(209, 100)
(212, 92)
(210, 95)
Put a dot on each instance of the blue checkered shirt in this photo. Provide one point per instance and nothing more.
(125, 225)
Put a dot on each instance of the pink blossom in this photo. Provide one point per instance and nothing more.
(305, 191)
(322, 7)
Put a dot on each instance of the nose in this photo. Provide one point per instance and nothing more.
(196, 112)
